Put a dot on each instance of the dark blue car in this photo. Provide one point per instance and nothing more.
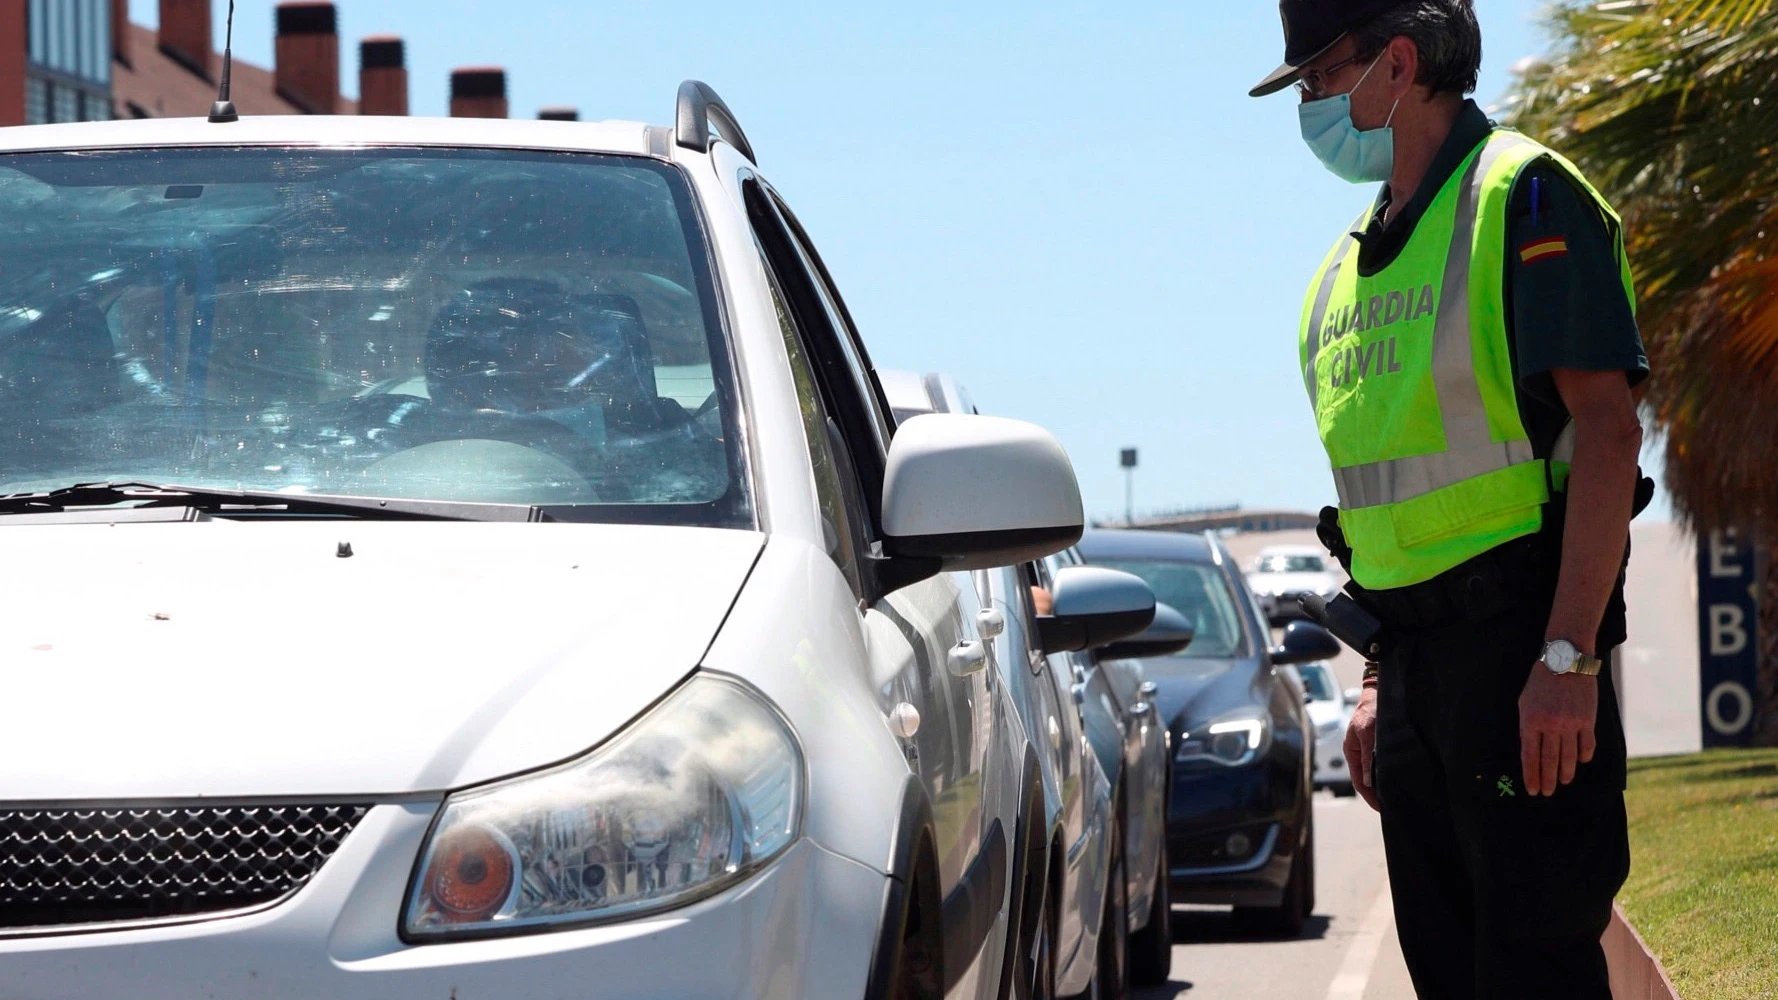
(1240, 827)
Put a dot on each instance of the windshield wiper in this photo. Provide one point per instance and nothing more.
(142, 495)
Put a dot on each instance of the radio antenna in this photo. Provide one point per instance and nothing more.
(224, 109)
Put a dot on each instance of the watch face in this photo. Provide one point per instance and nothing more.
(1560, 655)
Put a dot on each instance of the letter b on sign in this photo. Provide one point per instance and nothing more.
(1728, 622)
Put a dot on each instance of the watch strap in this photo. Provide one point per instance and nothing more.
(1588, 666)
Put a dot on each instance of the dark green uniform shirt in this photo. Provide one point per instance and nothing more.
(1564, 310)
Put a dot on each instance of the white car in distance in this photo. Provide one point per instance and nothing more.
(1282, 572)
(468, 558)
(1330, 712)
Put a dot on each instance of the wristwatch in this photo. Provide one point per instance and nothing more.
(1562, 658)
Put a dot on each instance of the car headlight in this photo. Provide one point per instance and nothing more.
(1231, 741)
(691, 798)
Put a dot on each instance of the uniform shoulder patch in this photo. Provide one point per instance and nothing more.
(1544, 249)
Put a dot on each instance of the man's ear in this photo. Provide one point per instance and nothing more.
(1403, 57)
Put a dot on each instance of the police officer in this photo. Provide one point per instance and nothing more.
(1471, 353)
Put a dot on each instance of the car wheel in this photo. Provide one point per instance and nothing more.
(1287, 918)
(1151, 948)
(1343, 789)
(919, 971)
(1110, 978)
(1309, 875)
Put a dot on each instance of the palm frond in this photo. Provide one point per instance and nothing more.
(1671, 106)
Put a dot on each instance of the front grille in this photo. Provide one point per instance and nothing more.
(61, 867)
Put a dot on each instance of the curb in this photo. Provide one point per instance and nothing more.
(1636, 973)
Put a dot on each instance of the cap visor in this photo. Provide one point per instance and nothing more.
(1281, 77)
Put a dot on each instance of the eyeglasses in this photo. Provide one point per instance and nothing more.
(1313, 84)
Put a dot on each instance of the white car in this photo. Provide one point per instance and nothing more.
(1330, 711)
(1281, 572)
(468, 558)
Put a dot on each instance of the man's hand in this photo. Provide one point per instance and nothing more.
(1556, 714)
(1361, 746)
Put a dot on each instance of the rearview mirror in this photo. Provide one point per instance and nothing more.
(1094, 607)
(1169, 633)
(965, 492)
(1305, 642)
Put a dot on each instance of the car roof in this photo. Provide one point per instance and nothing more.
(1171, 546)
(334, 130)
(906, 391)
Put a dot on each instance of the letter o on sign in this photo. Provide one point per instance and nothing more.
(1729, 725)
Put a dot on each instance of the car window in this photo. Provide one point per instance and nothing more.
(836, 488)
(1291, 564)
(857, 361)
(1318, 682)
(847, 393)
(446, 324)
(1200, 593)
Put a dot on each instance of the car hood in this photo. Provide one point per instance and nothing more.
(1291, 583)
(1193, 691)
(231, 659)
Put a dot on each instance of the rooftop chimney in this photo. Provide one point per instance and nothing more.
(308, 56)
(559, 114)
(120, 31)
(185, 34)
(478, 92)
(382, 76)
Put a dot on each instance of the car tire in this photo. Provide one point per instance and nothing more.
(1151, 948)
(1343, 789)
(1111, 970)
(1287, 918)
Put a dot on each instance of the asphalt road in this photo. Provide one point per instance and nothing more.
(1348, 950)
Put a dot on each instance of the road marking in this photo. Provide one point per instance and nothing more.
(1355, 970)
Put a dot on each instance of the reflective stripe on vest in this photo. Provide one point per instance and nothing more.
(1469, 452)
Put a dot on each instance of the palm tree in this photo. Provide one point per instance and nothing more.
(1671, 107)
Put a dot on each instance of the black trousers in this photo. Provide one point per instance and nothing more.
(1497, 894)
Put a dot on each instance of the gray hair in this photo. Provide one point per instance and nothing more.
(1445, 32)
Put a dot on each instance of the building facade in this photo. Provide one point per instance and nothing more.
(67, 66)
(82, 60)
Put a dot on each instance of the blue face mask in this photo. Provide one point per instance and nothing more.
(1359, 157)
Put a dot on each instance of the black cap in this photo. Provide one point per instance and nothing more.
(1311, 27)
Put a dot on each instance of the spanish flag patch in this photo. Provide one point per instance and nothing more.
(1554, 246)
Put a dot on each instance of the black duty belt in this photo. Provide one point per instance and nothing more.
(1483, 587)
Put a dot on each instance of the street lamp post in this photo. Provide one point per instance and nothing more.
(1128, 460)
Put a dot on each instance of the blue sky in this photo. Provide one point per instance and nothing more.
(1083, 217)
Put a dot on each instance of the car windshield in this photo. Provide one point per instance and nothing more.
(495, 326)
(1291, 564)
(1317, 683)
(1200, 593)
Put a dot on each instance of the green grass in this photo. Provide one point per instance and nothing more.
(1703, 887)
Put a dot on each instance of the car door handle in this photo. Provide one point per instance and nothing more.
(990, 622)
(968, 657)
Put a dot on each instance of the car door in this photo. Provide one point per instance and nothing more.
(927, 653)
(1086, 814)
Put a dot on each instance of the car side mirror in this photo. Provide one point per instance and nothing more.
(1169, 633)
(1305, 642)
(1354, 695)
(965, 492)
(1093, 607)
